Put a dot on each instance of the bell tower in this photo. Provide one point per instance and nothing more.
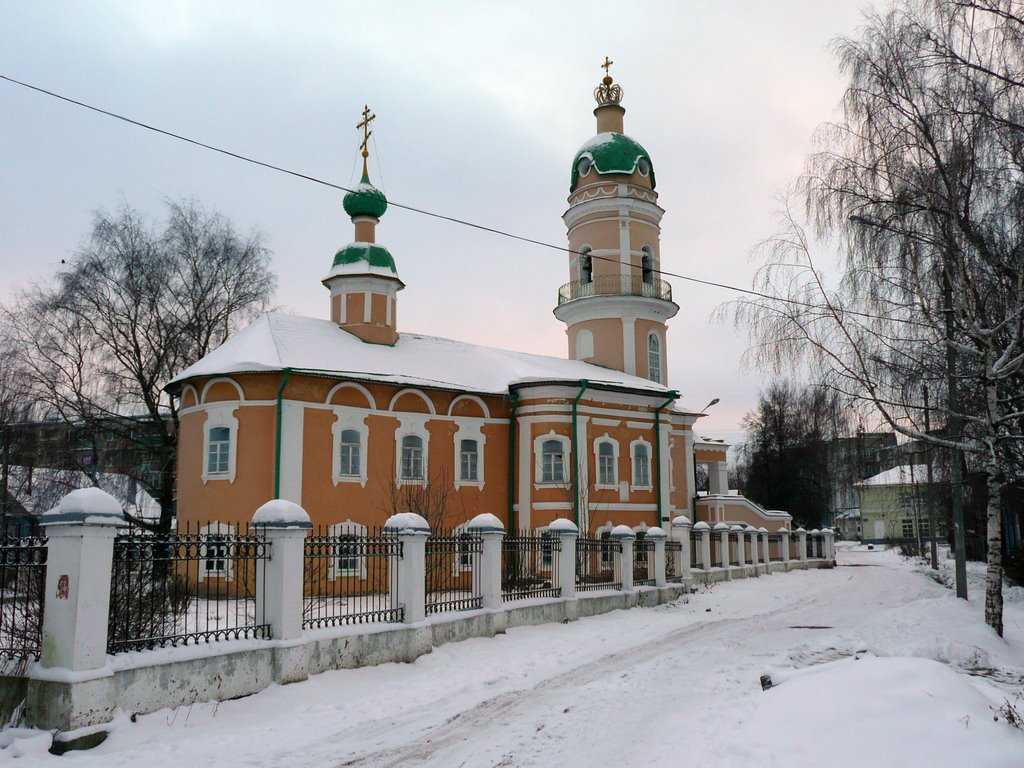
(363, 280)
(615, 305)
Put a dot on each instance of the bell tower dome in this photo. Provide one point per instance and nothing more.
(363, 280)
(615, 306)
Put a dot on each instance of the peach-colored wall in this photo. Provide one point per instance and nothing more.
(607, 341)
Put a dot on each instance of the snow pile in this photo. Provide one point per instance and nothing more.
(281, 513)
(91, 504)
(407, 521)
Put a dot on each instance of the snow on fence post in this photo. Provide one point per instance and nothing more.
(408, 577)
(657, 535)
(492, 531)
(830, 538)
(704, 531)
(766, 560)
(681, 533)
(801, 546)
(785, 544)
(623, 558)
(72, 685)
(279, 585)
(567, 533)
(741, 546)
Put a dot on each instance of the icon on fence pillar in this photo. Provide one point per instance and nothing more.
(62, 587)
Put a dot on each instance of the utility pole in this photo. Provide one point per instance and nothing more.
(930, 493)
(953, 433)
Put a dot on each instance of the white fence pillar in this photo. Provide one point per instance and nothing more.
(567, 533)
(722, 531)
(785, 544)
(492, 532)
(704, 532)
(624, 558)
(657, 535)
(801, 546)
(830, 544)
(72, 686)
(741, 544)
(408, 579)
(765, 553)
(279, 584)
(751, 536)
(681, 533)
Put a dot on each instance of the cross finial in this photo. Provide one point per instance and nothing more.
(364, 125)
(607, 65)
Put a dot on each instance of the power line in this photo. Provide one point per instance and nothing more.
(424, 212)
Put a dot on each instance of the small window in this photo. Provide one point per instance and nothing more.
(644, 166)
(653, 358)
(349, 458)
(412, 457)
(907, 528)
(586, 267)
(552, 462)
(641, 465)
(469, 455)
(583, 166)
(584, 344)
(216, 555)
(647, 265)
(348, 554)
(606, 464)
(218, 451)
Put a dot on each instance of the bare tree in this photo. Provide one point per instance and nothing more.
(133, 308)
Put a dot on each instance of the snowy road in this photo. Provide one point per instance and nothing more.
(672, 685)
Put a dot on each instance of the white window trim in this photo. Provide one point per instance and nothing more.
(224, 529)
(220, 415)
(458, 567)
(349, 418)
(340, 529)
(412, 424)
(661, 357)
(538, 460)
(632, 465)
(614, 484)
(469, 430)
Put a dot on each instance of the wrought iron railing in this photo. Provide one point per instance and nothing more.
(775, 547)
(595, 564)
(696, 551)
(529, 565)
(716, 551)
(734, 547)
(615, 285)
(350, 577)
(453, 572)
(22, 591)
(643, 562)
(196, 585)
(673, 560)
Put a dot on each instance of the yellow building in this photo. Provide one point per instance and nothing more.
(353, 419)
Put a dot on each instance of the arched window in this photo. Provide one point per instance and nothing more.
(654, 358)
(552, 462)
(348, 453)
(647, 265)
(641, 465)
(218, 451)
(586, 266)
(469, 454)
(412, 457)
(606, 464)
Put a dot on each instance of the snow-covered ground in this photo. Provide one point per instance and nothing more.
(875, 664)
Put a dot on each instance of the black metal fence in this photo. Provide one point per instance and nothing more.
(716, 550)
(794, 545)
(453, 571)
(696, 550)
(775, 547)
(595, 564)
(734, 547)
(814, 546)
(350, 576)
(673, 561)
(22, 590)
(529, 565)
(196, 585)
(643, 562)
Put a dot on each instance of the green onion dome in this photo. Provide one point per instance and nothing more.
(611, 153)
(365, 200)
(365, 257)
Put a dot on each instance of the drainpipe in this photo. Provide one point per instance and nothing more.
(657, 444)
(287, 372)
(575, 455)
(513, 523)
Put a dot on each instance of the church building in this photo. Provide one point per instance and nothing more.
(352, 417)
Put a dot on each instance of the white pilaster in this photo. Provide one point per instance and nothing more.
(292, 418)
(525, 475)
(629, 345)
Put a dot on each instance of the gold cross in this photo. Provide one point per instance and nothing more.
(607, 65)
(364, 124)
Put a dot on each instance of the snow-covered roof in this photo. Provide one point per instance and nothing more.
(902, 475)
(276, 341)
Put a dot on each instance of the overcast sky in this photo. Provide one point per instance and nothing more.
(480, 110)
